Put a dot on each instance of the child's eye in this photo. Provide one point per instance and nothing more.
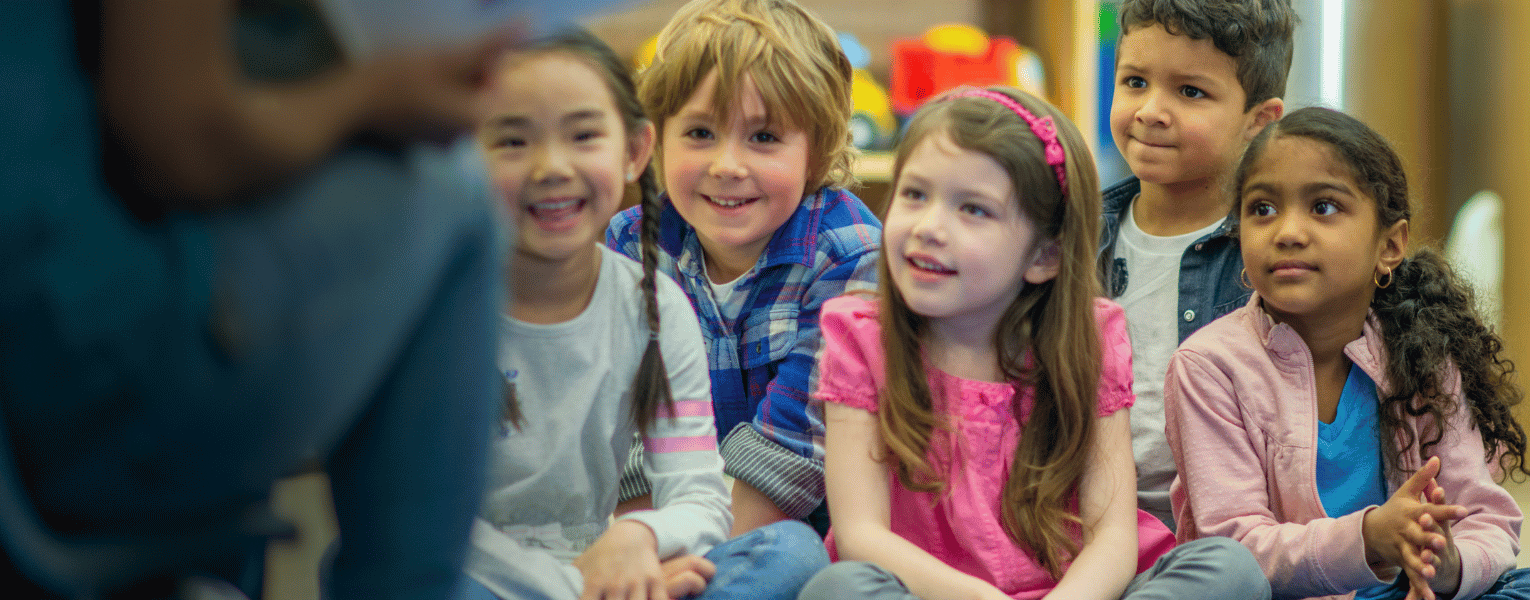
(1191, 91)
(503, 142)
(1133, 81)
(911, 194)
(763, 137)
(976, 210)
(1325, 208)
(1260, 209)
(699, 133)
(588, 135)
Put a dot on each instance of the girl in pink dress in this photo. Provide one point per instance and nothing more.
(978, 443)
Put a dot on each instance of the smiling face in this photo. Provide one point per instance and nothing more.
(736, 178)
(958, 246)
(1178, 112)
(558, 153)
(1311, 238)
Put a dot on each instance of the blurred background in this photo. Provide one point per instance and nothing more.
(1447, 81)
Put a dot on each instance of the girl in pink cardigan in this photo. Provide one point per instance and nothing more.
(1345, 425)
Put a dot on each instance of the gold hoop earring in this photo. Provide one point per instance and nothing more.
(1377, 280)
(1244, 280)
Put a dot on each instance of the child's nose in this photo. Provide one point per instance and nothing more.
(551, 163)
(1291, 230)
(1154, 110)
(930, 224)
(727, 162)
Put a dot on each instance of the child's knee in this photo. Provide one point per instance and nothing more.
(1233, 563)
(848, 579)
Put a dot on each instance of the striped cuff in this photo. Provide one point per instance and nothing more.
(792, 481)
(634, 483)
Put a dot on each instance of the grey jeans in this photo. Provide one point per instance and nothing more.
(1211, 568)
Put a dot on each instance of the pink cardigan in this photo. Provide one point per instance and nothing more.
(1241, 406)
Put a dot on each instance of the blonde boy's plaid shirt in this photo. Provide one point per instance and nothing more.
(764, 363)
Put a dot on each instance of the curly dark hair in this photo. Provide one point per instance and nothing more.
(1428, 314)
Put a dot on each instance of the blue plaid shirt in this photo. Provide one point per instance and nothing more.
(764, 362)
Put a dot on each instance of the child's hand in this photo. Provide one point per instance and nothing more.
(1396, 537)
(687, 575)
(623, 564)
(1446, 560)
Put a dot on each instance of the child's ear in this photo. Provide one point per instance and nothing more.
(1263, 114)
(639, 150)
(1393, 245)
(1047, 263)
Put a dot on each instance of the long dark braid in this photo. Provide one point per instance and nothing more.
(650, 388)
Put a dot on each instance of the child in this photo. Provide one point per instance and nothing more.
(990, 457)
(1310, 423)
(1195, 80)
(752, 102)
(597, 348)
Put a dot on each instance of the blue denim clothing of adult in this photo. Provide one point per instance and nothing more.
(764, 363)
(769, 563)
(157, 375)
(1209, 272)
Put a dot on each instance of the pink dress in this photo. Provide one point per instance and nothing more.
(962, 526)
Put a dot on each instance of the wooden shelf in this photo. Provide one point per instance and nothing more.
(874, 166)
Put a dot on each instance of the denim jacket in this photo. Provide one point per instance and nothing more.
(1209, 281)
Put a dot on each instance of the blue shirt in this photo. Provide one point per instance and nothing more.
(764, 362)
(1349, 466)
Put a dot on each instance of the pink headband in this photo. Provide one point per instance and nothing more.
(1043, 127)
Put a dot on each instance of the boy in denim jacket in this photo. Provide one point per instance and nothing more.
(1195, 81)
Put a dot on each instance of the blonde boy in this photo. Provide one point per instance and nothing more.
(1195, 81)
(751, 99)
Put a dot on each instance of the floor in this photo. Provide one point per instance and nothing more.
(293, 566)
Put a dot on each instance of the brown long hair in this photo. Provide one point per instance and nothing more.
(1428, 314)
(1047, 338)
(650, 386)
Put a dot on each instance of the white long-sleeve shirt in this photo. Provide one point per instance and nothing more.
(553, 482)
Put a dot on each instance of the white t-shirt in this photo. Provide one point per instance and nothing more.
(722, 295)
(1151, 300)
(552, 483)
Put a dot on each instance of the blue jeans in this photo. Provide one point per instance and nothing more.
(769, 563)
(1514, 584)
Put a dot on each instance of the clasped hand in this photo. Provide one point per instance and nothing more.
(1412, 532)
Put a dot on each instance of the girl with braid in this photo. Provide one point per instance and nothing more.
(1347, 424)
(594, 349)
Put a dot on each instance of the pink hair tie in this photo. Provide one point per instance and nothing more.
(1043, 127)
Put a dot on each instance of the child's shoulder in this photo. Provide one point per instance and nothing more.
(851, 313)
(845, 225)
(1119, 195)
(625, 231)
(627, 275)
(1239, 332)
